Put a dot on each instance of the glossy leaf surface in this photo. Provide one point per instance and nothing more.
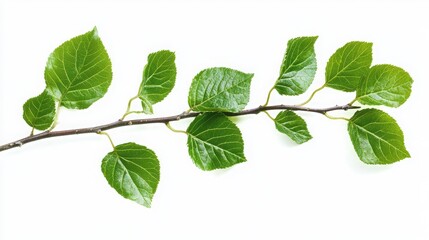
(293, 126)
(348, 65)
(79, 72)
(385, 85)
(39, 112)
(298, 67)
(215, 142)
(133, 171)
(219, 90)
(159, 77)
(376, 137)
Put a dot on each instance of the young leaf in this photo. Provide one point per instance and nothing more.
(79, 72)
(215, 142)
(159, 77)
(348, 65)
(293, 126)
(133, 171)
(39, 112)
(385, 85)
(298, 67)
(376, 137)
(219, 90)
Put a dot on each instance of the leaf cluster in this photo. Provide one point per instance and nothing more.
(79, 72)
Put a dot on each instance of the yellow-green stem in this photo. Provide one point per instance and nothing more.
(311, 96)
(354, 100)
(268, 97)
(173, 129)
(131, 112)
(108, 136)
(269, 115)
(127, 112)
(336, 118)
(57, 113)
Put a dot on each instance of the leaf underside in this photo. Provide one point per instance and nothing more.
(219, 90)
(133, 171)
(298, 67)
(79, 72)
(376, 137)
(215, 142)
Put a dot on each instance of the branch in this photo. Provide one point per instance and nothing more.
(122, 123)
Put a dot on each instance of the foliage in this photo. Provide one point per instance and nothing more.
(78, 73)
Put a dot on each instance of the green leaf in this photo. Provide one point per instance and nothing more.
(293, 126)
(159, 77)
(215, 142)
(348, 65)
(298, 68)
(133, 171)
(39, 112)
(219, 90)
(376, 137)
(146, 106)
(79, 72)
(385, 85)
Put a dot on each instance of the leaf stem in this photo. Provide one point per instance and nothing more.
(269, 115)
(32, 132)
(108, 136)
(131, 112)
(128, 112)
(312, 95)
(173, 129)
(354, 100)
(178, 117)
(57, 113)
(336, 118)
(269, 96)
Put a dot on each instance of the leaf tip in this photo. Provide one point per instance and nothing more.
(94, 32)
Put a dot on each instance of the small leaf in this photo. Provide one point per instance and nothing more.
(215, 142)
(298, 68)
(219, 90)
(39, 112)
(385, 85)
(376, 137)
(348, 65)
(159, 77)
(133, 171)
(79, 72)
(293, 126)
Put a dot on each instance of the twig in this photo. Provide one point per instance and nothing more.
(165, 120)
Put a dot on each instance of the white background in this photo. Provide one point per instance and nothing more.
(54, 189)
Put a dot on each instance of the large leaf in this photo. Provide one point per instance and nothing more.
(133, 171)
(348, 65)
(385, 85)
(298, 67)
(215, 142)
(219, 89)
(39, 112)
(159, 76)
(79, 72)
(293, 126)
(376, 137)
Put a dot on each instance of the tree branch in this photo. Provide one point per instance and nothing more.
(122, 123)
